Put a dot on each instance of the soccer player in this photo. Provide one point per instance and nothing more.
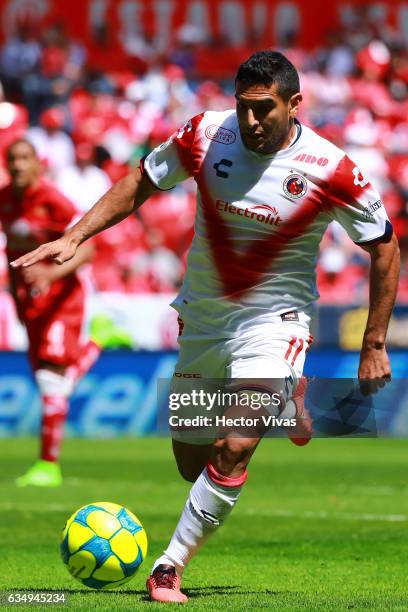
(267, 189)
(49, 300)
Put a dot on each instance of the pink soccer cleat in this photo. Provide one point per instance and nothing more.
(164, 585)
(301, 434)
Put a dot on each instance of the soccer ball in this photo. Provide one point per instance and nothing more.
(103, 545)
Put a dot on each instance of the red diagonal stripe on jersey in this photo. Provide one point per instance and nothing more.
(309, 342)
(290, 347)
(344, 184)
(240, 272)
(298, 350)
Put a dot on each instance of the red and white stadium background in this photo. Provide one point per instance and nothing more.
(159, 20)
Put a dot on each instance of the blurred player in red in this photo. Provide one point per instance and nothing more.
(49, 300)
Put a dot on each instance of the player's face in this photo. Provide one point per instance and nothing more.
(265, 118)
(23, 165)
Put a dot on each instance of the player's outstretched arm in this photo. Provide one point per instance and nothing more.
(118, 203)
(385, 263)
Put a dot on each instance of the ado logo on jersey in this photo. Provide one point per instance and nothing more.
(295, 186)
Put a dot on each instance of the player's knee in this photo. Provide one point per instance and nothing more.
(231, 453)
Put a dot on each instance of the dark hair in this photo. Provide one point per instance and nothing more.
(268, 67)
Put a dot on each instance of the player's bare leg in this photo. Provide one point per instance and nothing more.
(191, 459)
(211, 499)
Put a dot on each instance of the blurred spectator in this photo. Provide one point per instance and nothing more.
(363, 142)
(13, 124)
(20, 57)
(172, 216)
(59, 72)
(54, 147)
(159, 265)
(338, 278)
(83, 183)
(337, 57)
(189, 38)
(116, 251)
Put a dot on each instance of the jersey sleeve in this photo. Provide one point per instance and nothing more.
(172, 162)
(357, 206)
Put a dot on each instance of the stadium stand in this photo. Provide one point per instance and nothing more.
(91, 126)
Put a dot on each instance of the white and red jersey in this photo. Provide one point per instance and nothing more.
(260, 219)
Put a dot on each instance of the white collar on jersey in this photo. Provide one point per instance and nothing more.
(298, 133)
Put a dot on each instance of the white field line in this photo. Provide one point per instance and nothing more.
(347, 516)
(30, 508)
(89, 482)
(343, 489)
(146, 484)
(372, 490)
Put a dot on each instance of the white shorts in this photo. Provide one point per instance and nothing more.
(275, 350)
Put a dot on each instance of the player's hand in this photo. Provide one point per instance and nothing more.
(59, 251)
(39, 277)
(374, 370)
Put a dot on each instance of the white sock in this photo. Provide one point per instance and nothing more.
(210, 501)
(54, 389)
(51, 383)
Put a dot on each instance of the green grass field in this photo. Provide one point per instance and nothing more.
(317, 528)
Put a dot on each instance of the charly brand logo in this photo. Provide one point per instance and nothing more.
(369, 210)
(220, 134)
(217, 167)
(295, 186)
(311, 159)
(268, 216)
